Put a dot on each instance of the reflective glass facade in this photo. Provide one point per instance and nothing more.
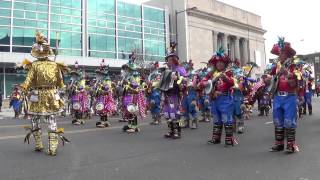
(97, 28)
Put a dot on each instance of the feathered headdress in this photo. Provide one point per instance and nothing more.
(41, 48)
(76, 69)
(103, 69)
(172, 52)
(219, 56)
(283, 46)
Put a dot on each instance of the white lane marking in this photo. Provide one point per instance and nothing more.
(270, 122)
(71, 132)
(61, 122)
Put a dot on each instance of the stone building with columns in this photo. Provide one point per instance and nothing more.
(202, 26)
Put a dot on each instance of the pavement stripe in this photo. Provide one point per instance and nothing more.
(269, 122)
(71, 132)
(61, 122)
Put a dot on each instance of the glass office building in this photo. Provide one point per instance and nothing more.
(86, 29)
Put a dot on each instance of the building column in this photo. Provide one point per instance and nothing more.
(225, 42)
(245, 51)
(215, 41)
(232, 49)
(237, 48)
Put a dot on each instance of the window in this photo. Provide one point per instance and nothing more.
(5, 12)
(30, 23)
(31, 15)
(24, 36)
(101, 6)
(41, 8)
(55, 18)
(4, 35)
(5, 4)
(18, 5)
(129, 10)
(101, 43)
(4, 21)
(76, 40)
(42, 16)
(155, 15)
(18, 14)
(154, 34)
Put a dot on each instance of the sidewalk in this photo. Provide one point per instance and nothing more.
(5, 113)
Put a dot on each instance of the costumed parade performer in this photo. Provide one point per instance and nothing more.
(16, 101)
(222, 107)
(283, 88)
(154, 95)
(79, 96)
(309, 91)
(104, 103)
(43, 79)
(133, 99)
(170, 81)
(190, 96)
(204, 90)
(238, 95)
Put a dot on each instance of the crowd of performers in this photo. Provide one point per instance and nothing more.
(222, 92)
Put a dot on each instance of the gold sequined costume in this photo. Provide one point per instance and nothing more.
(43, 79)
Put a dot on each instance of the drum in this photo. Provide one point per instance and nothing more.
(99, 106)
(76, 106)
(132, 108)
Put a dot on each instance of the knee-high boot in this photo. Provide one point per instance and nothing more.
(229, 141)
(38, 140)
(216, 134)
(279, 140)
(53, 143)
(291, 140)
(170, 132)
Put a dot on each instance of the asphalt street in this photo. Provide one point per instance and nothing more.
(110, 154)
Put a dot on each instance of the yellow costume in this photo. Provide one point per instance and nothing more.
(43, 79)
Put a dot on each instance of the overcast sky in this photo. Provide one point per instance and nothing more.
(296, 20)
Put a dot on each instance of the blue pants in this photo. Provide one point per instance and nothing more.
(307, 98)
(16, 105)
(222, 110)
(189, 107)
(155, 101)
(285, 111)
(202, 103)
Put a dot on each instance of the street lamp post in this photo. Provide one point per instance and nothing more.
(176, 16)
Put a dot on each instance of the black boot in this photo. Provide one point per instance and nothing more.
(103, 122)
(216, 134)
(229, 141)
(261, 112)
(279, 140)
(170, 127)
(292, 147)
(176, 130)
(310, 109)
(304, 109)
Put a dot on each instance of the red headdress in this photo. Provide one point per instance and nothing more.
(219, 56)
(283, 46)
